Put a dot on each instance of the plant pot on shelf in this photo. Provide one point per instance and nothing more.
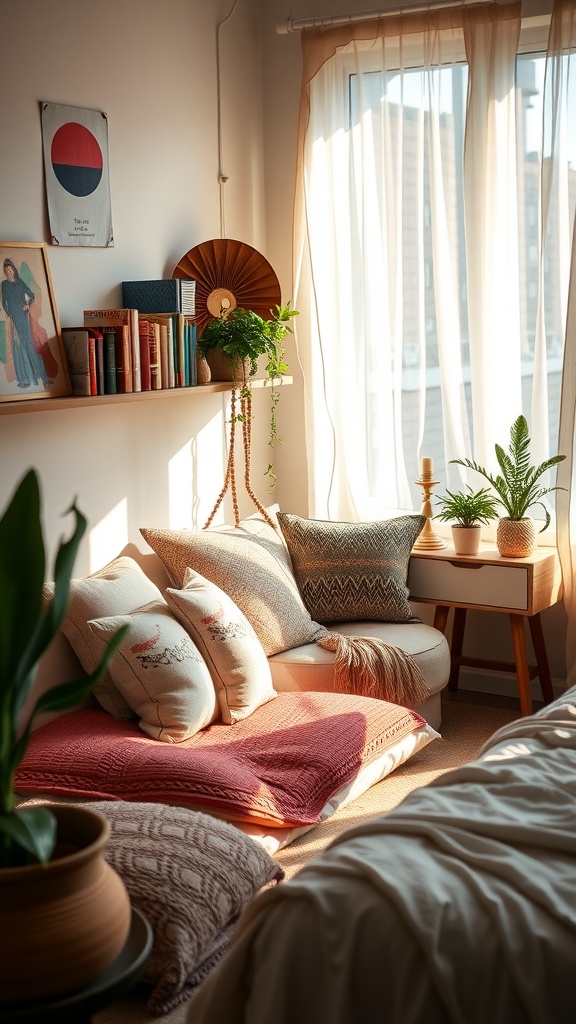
(516, 538)
(62, 924)
(223, 368)
(466, 539)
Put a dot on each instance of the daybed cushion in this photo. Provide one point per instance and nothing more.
(117, 589)
(232, 651)
(459, 905)
(311, 667)
(191, 875)
(279, 767)
(160, 672)
(250, 563)
(351, 571)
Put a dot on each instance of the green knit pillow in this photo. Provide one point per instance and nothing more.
(352, 571)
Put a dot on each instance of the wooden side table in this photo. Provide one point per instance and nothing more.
(519, 587)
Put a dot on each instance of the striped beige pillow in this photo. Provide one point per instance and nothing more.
(253, 568)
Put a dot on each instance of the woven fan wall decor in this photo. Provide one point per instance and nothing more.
(229, 273)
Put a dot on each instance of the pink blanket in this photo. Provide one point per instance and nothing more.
(278, 767)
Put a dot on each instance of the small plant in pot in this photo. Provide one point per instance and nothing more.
(233, 343)
(31, 870)
(467, 511)
(518, 488)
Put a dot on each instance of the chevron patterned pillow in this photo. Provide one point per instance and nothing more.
(352, 571)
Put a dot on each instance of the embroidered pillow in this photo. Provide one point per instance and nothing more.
(116, 589)
(160, 673)
(249, 563)
(352, 571)
(233, 653)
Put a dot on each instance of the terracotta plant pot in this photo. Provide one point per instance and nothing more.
(222, 367)
(466, 539)
(63, 924)
(516, 538)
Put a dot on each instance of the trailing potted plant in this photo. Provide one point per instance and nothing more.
(517, 490)
(39, 880)
(232, 344)
(467, 510)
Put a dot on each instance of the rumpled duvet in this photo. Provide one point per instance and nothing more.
(457, 906)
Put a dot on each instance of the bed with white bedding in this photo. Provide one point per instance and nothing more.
(457, 906)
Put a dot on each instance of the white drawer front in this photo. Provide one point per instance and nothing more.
(500, 586)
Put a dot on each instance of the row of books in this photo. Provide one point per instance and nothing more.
(120, 351)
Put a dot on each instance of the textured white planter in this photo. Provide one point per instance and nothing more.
(466, 539)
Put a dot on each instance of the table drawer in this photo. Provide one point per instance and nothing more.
(445, 582)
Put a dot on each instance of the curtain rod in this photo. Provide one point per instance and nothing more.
(330, 20)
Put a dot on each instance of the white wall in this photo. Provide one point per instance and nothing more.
(151, 66)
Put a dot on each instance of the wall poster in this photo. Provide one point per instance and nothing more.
(76, 167)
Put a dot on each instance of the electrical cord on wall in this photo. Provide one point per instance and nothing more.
(222, 178)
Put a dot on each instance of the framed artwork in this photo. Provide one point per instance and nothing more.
(32, 358)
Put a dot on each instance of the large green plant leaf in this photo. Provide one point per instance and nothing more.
(32, 830)
(22, 567)
(27, 627)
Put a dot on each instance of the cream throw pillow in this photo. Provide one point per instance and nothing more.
(250, 563)
(160, 673)
(117, 589)
(232, 651)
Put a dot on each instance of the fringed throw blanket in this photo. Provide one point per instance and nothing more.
(368, 666)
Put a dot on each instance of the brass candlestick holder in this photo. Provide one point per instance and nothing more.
(427, 539)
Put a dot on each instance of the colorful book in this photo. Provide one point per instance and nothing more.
(110, 360)
(98, 338)
(145, 378)
(81, 359)
(154, 346)
(113, 318)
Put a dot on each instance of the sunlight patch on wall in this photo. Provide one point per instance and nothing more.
(201, 459)
(109, 536)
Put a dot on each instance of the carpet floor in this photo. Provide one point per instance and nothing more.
(465, 728)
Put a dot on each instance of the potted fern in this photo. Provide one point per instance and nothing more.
(518, 488)
(50, 858)
(467, 511)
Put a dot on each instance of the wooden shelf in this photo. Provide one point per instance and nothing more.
(96, 401)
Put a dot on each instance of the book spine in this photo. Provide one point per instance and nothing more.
(123, 360)
(164, 354)
(76, 346)
(145, 380)
(191, 324)
(170, 346)
(110, 361)
(92, 364)
(180, 349)
(135, 345)
(154, 346)
(98, 339)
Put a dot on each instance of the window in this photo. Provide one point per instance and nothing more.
(402, 244)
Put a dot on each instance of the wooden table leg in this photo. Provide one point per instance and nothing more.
(522, 670)
(541, 657)
(441, 617)
(456, 647)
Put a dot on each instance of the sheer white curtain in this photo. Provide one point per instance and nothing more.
(381, 249)
(560, 86)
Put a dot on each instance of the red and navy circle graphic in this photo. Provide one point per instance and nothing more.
(76, 159)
